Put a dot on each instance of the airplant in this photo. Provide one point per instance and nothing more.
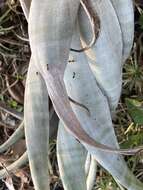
(84, 92)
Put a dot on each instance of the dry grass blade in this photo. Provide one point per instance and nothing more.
(15, 89)
(17, 135)
(14, 166)
(11, 111)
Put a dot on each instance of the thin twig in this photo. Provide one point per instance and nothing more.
(10, 86)
(11, 111)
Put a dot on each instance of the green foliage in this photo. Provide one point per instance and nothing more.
(105, 182)
(15, 105)
(141, 21)
(135, 109)
(133, 77)
(12, 103)
(133, 140)
(1, 97)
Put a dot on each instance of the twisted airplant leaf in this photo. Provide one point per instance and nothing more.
(36, 120)
(71, 154)
(71, 160)
(76, 155)
(125, 13)
(105, 57)
(47, 72)
(52, 62)
(50, 46)
(99, 124)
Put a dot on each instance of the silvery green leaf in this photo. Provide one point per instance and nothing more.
(125, 12)
(36, 121)
(105, 57)
(82, 87)
(72, 155)
(71, 160)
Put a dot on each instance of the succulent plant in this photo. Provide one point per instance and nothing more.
(84, 92)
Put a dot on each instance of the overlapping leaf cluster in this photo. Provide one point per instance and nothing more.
(84, 91)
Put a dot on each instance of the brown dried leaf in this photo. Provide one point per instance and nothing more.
(61, 103)
(15, 89)
(19, 148)
(9, 183)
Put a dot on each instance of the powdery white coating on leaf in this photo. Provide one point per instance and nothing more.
(52, 68)
(36, 120)
(125, 12)
(87, 164)
(50, 41)
(71, 159)
(84, 89)
(92, 174)
(50, 52)
(105, 57)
